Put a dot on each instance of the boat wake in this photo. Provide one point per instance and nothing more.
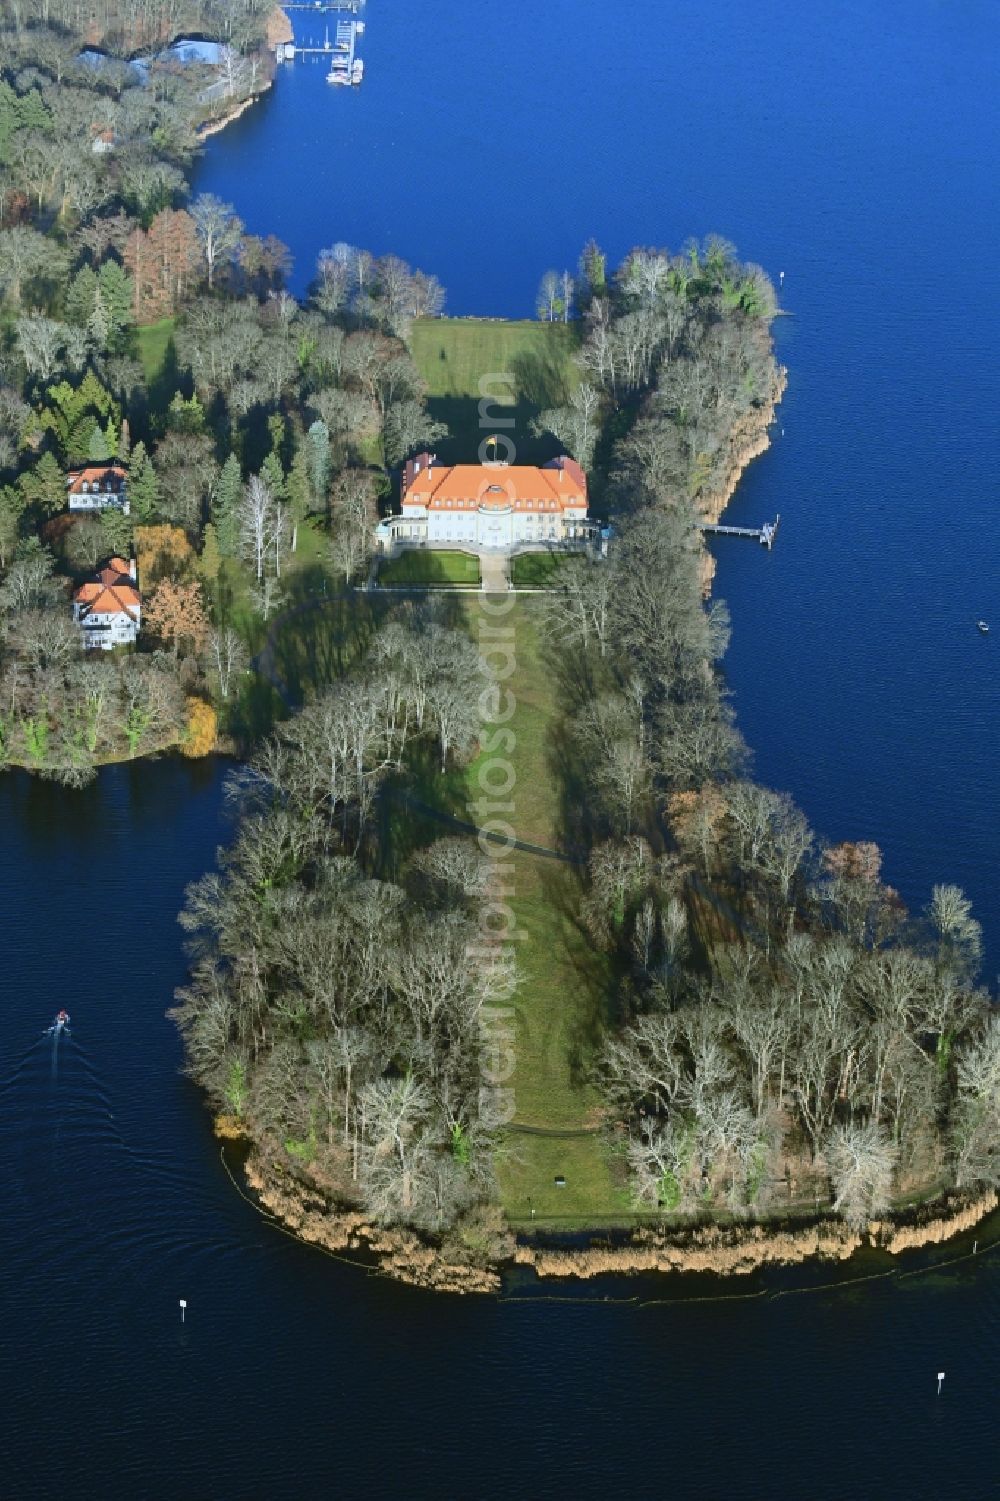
(58, 1027)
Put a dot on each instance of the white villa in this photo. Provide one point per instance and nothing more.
(97, 487)
(497, 506)
(108, 609)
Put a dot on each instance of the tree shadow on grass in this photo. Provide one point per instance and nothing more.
(541, 379)
(321, 631)
(168, 380)
(468, 428)
(579, 824)
(252, 712)
(594, 974)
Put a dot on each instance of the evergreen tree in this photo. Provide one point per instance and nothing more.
(97, 448)
(81, 296)
(20, 112)
(185, 416)
(115, 288)
(143, 486)
(298, 491)
(116, 530)
(73, 412)
(593, 272)
(225, 505)
(12, 504)
(273, 473)
(44, 486)
(98, 326)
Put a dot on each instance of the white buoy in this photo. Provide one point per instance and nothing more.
(940, 1381)
(183, 1303)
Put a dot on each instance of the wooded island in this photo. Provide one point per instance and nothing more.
(509, 942)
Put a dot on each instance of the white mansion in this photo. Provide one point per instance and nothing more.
(497, 506)
(108, 610)
(97, 487)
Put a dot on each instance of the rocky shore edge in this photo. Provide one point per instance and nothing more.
(750, 438)
(213, 127)
(279, 29)
(307, 1212)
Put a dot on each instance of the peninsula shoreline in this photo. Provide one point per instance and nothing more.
(720, 1250)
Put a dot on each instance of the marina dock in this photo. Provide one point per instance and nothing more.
(765, 534)
(345, 66)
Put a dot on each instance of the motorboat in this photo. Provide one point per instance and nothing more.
(358, 71)
(981, 625)
(61, 1022)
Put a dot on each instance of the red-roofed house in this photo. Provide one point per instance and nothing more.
(108, 608)
(97, 487)
(496, 506)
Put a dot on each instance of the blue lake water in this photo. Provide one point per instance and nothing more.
(855, 148)
(295, 1376)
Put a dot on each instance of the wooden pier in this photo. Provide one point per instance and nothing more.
(765, 534)
(351, 6)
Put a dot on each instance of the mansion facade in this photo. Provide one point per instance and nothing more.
(497, 506)
(97, 487)
(108, 609)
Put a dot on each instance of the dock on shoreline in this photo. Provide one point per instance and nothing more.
(345, 66)
(765, 534)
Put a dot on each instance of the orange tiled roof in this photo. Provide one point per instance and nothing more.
(109, 602)
(524, 486)
(95, 474)
(112, 592)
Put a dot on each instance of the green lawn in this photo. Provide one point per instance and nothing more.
(431, 567)
(155, 344)
(154, 340)
(561, 1001)
(526, 367)
(560, 1005)
(536, 570)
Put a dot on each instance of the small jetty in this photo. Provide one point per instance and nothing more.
(324, 7)
(765, 534)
